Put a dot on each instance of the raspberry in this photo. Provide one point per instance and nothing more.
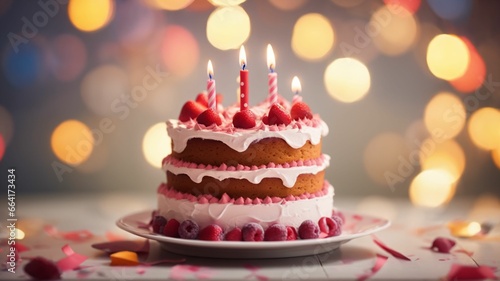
(189, 229)
(252, 232)
(171, 229)
(329, 226)
(277, 115)
(339, 220)
(158, 224)
(42, 269)
(276, 232)
(202, 98)
(291, 233)
(212, 232)
(244, 119)
(209, 117)
(190, 110)
(339, 214)
(308, 230)
(300, 110)
(234, 235)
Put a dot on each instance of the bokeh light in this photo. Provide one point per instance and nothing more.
(432, 188)
(312, 37)
(170, 5)
(23, 68)
(102, 88)
(68, 57)
(226, 3)
(495, 155)
(134, 22)
(200, 6)
(484, 128)
(72, 142)
(451, 9)
(447, 56)
(397, 32)
(2, 147)
(180, 51)
(6, 125)
(287, 5)
(475, 73)
(409, 5)
(91, 15)
(19, 234)
(347, 80)
(444, 116)
(448, 156)
(156, 144)
(387, 154)
(228, 27)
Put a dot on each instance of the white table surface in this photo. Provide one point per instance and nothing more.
(97, 213)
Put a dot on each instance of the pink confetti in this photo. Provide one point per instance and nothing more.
(71, 261)
(21, 247)
(75, 236)
(379, 263)
(463, 272)
(391, 251)
(125, 245)
(442, 245)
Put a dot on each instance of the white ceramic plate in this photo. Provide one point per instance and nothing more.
(355, 226)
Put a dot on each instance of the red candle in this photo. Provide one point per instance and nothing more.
(272, 77)
(243, 80)
(212, 101)
(296, 88)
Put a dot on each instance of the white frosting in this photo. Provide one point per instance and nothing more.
(287, 175)
(240, 140)
(229, 215)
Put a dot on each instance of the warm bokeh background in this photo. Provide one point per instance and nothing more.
(410, 89)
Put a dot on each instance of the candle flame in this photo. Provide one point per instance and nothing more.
(210, 69)
(271, 61)
(243, 57)
(296, 87)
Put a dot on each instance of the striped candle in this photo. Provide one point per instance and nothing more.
(272, 77)
(212, 100)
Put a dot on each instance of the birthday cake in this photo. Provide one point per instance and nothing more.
(246, 173)
(250, 175)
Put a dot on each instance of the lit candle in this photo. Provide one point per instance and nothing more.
(296, 88)
(212, 100)
(272, 77)
(243, 80)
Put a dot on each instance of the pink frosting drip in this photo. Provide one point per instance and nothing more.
(165, 190)
(179, 163)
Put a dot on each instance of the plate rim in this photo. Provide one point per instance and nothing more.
(245, 245)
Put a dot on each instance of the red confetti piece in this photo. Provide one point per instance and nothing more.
(391, 251)
(75, 236)
(71, 261)
(120, 246)
(41, 268)
(442, 245)
(254, 273)
(380, 260)
(463, 272)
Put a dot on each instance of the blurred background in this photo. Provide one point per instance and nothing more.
(410, 89)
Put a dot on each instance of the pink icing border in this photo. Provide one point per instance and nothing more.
(168, 192)
(180, 163)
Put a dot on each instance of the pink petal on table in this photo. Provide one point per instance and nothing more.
(125, 245)
(465, 272)
(442, 244)
(380, 260)
(391, 251)
(21, 247)
(254, 273)
(76, 236)
(71, 261)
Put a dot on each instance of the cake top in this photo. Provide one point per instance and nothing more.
(295, 123)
